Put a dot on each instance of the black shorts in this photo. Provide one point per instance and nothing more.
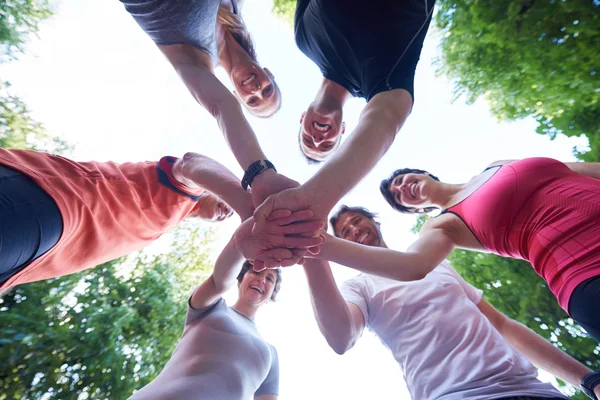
(584, 306)
(30, 222)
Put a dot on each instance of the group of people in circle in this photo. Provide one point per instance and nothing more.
(59, 216)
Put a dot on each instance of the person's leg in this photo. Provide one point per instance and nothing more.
(30, 222)
(584, 306)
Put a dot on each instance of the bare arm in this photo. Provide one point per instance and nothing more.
(538, 350)
(591, 169)
(195, 69)
(227, 268)
(197, 170)
(341, 323)
(414, 264)
(379, 122)
(266, 397)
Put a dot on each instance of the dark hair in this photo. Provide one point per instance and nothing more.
(359, 210)
(247, 267)
(389, 197)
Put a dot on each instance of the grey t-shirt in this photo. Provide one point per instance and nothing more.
(220, 356)
(445, 346)
(191, 22)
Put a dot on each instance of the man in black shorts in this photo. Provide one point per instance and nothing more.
(363, 49)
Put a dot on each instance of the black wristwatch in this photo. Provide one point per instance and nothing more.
(589, 382)
(254, 169)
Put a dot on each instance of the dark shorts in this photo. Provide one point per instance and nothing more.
(584, 306)
(30, 222)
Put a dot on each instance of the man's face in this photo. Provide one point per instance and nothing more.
(320, 133)
(357, 228)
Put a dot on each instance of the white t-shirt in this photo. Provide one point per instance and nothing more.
(446, 348)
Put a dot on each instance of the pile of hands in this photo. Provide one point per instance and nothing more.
(287, 225)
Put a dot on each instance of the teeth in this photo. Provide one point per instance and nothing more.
(257, 289)
(320, 127)
(248, 79)
(414, 190)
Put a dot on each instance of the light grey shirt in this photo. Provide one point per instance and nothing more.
(220, 356)
(446, 347)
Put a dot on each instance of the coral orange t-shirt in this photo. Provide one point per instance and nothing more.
(108, 209)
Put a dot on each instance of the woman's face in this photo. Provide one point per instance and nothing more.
(255, 88)
(212, 208)
(256, 288)
(412, 190)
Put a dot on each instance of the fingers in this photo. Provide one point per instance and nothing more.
(277, 254)
(292, 217)
(280, 214)
(300, 242)
(314, 250)
(304, 228)
(258, 265)
(261, 214)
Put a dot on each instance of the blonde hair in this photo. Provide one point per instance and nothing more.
(236, 26)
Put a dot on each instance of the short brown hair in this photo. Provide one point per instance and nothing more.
(247, 267)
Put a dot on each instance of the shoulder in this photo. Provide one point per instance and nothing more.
(499, 162)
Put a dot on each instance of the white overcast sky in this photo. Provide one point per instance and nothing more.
(96, 79)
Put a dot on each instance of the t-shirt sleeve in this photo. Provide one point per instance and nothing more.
(474, 294)
(355, 291)
(194, 315)
(166, 178)
(271, 383)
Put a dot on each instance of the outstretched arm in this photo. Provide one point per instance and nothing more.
(195, 69)
(538, 350)
(378, 125)
(340, 322)
(227, 268)
(414, 264)
(193, 170)
(591, 169)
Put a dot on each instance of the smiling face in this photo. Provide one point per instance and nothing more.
(412, 190)
(211, 208)
(257, 288)
(320, 132)
(356, 227)
(256, 89)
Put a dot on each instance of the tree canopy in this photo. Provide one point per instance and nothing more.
(18, 20)
(101, 333)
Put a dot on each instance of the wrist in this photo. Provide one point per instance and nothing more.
(590, 384)
(258, 171)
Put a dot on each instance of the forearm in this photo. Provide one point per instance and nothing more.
(543, 354)
(330, 308)
(220, 102)
(216, 178)
(377, 128)
(227, 266)
(378, 261)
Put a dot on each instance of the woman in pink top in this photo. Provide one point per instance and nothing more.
(535, 209)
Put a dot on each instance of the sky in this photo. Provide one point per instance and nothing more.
(94, 77)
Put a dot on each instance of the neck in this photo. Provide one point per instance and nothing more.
(230, 51)
(247, 309)
(446, 195)
(331, 96)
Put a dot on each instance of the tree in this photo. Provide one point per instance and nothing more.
(101, 333)
(285, 10)
(513, 287)
(18, 20)
(20, 131)
(528, 58)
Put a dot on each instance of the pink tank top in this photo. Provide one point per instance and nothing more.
(538, 210)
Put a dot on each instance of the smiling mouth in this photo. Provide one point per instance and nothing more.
(413, 190)
(248, 79)
(256, 289)
(321, 127)
(363, 237)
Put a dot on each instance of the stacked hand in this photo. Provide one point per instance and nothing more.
(285, 237)
(284, 227)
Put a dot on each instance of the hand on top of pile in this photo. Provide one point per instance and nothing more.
(283, 239)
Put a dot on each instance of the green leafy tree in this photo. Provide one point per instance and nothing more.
(513, 287)
(102, 333)
(18, 20)
(528, 58)
(285, 10)
(19, 130)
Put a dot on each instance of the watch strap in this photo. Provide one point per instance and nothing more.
(254, 169)
(589, 382)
